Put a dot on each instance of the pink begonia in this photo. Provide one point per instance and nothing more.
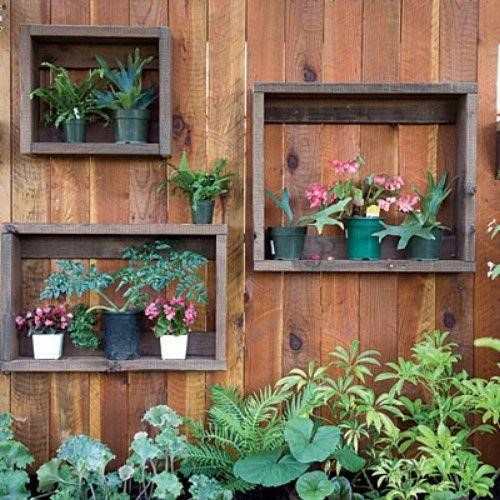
(20, 321)
(395, 184)
(169, 312)
(152, 310)
(38, 312)
(379, 180)
(386, 204)
(48, 322)
(351, 167)
(317, 195)
(190, 315)
(178, 301)
(315, 256)
(46, 309)
(38, 321)
(406, 203)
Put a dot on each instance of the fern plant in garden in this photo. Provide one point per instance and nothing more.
(237, 426)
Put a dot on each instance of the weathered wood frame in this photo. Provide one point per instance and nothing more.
(105, 241)
(33, 33)
(405, 103)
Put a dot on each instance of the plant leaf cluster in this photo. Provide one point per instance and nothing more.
(81, 328)
(199, 185)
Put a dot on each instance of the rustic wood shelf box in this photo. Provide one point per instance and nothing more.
(74, 48)
(206, 350)
(394, 104)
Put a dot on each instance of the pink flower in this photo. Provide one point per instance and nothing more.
(395, 184)
(38, 312)
(317, 195)
(38, 321)
(47, 309)
(69, 315)
(406, 203)
(190, 315)
(339, 166)
(169, 312)
(386, 204)
(315, 256)
(178, 301)
(60, 309)
(152, 311)
(352, 166)
(20, 321)
(379, 180)
(29, 315)
(48, 322)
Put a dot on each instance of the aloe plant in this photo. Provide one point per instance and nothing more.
(283, 203)
(125, 84)
(66, 99)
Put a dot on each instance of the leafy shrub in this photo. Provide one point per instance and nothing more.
(14, 458)
(81, 328)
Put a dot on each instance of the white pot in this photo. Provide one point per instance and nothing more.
(173, 347)
(47, 346)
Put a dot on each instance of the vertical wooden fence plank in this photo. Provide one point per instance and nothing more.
(342, 52)
(302, 292)
(379, 145)
(109, 203)
(5, 156)
(263, 292)
(486, 292)
(226, 138)
(146, 389)
(30, 392)
(188, 23)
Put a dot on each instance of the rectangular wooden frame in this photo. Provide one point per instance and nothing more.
(32, 33)
(105, 241)
(384, 103)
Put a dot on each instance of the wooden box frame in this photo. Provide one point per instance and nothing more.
(33, 38)
(106, 241)
(405, 103)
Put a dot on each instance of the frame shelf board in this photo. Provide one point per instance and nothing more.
(102, 364)
(94, 149)
(374, 266)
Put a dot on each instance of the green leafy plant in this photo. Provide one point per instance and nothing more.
(14, 458)
(237, 427)
(125, 84)
(68, 100)
(81, 328)
(78, 472)
(204, 488)
(198, 185)
(152, 266)
(420, 223)
(151, 465)
(324, 217)
(283, 203)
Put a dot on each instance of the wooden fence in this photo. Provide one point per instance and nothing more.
(275, 321)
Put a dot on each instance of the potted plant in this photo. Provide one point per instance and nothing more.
(126, 99)
(420, 234)
(46, 326)
(152, 267)
(287, 243)
(70, 103)
(172, 320)
(200, 186)
(367, 198)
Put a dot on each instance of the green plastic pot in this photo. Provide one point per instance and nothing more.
(75, 130)
(361, 244)
(203, 213)
(287, 243)
(422, 249)
(131, 126)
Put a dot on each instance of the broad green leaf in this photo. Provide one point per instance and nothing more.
(349, 459)
(269, 468)
(307, 445)
(314, 486)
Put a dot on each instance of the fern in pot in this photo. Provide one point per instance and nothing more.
(70, 103)
(201, 187)
(420, 234)
(126, 99)
(150, 268)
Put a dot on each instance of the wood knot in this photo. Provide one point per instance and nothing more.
(178, 124)
(246, 297)
(449, 320)
(309, 74)
(292, 162)
(239, 321)
(295, 342)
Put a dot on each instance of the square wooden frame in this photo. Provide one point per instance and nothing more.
(402, 103)
(105, 241)
(31, 34)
